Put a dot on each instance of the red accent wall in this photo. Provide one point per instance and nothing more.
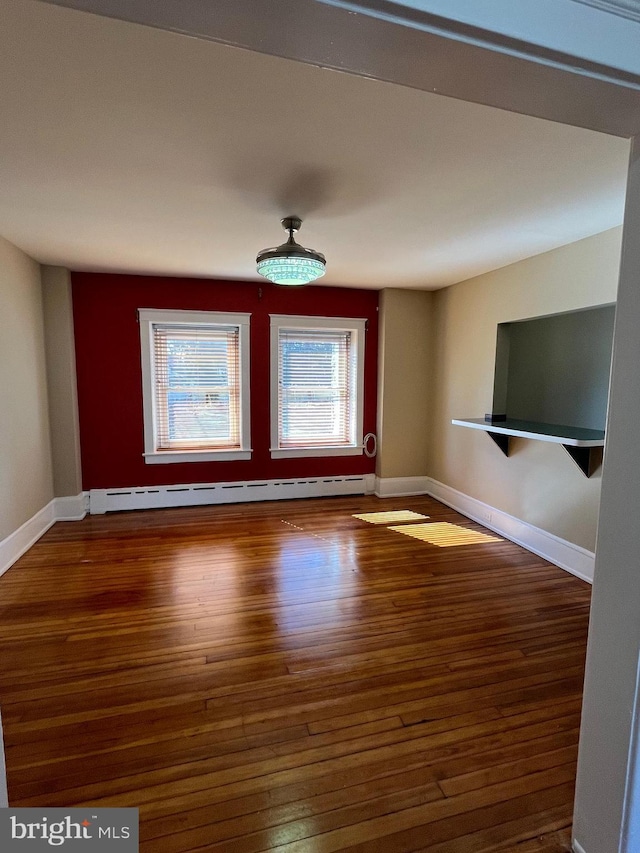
(107, 341)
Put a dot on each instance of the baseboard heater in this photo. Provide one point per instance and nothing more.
(199, 494)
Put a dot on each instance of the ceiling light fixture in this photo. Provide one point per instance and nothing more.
(291, 263)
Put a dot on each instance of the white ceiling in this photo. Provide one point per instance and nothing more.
(125, 148)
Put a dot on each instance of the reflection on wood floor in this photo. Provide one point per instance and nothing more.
(288, 677)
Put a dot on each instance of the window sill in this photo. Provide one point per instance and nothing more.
(167, 457)
(300, 452)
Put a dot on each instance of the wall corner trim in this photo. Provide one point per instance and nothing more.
(72, 508)
(572, 558)
(17, 543)
(397, 487)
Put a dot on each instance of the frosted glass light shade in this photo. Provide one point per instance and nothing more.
(291, 270)
(291, 263)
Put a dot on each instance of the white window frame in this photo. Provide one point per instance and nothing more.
(148, 317)
(357, 327)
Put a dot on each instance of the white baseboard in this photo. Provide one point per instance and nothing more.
(201, 494)
(75, 507)
(72, 508)
(574, 559)
(400, 487)
(18, 542)
(562, 553)
(577, 847)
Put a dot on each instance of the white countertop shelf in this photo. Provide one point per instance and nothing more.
(569, 436)
(580, 443)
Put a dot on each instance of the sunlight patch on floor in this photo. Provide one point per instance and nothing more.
(445, 535)
(390, 517)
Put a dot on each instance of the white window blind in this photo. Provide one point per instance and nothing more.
(196, 387)
(316, 388)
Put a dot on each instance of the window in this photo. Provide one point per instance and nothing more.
(317, 386)
(195, 375)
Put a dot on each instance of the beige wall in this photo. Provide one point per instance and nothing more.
(538, 482)
(404, 382)
(61, 380)
(26, 483)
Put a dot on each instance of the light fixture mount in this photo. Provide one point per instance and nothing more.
(290, 263)
(291, 224)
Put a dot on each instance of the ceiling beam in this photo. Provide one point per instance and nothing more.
(411, 48)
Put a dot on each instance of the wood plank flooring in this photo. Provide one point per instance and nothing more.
(286, 677)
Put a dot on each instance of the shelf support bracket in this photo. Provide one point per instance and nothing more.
(587, 459)
(501, 440)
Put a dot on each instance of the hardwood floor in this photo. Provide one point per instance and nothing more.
(286, 677)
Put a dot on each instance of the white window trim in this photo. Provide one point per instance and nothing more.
(147, 318)
(357, 327)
